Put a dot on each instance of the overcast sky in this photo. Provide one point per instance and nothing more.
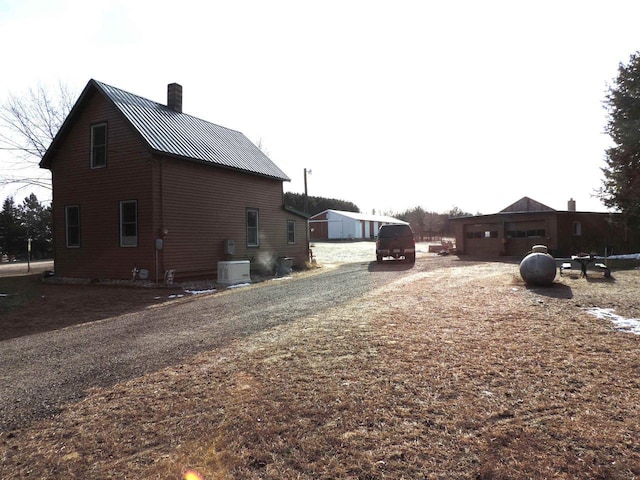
(392, 105)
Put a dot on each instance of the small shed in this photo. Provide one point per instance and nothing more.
(342, 225)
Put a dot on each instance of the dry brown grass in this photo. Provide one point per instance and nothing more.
(456, 373)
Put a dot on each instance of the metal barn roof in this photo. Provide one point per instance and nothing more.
(170, 132)
(362, 216)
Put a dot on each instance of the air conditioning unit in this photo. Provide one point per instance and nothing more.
(233, 272)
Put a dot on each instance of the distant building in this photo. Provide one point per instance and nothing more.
(525, 223)
(340, 225)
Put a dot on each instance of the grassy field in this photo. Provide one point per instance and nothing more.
(463, 372)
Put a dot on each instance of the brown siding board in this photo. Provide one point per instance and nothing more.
(204, 206)
(98, 192)
(599, 230)
(200, 206)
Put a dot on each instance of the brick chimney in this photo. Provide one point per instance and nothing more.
(174, 97)
(571, 205)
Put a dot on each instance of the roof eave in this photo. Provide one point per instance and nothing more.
(162, 153)
(296, 212)
(45, 162)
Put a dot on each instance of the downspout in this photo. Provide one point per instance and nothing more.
(163, 229)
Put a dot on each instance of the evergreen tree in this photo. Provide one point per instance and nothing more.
(317, 204)
(12, 232)
(621, 184)
(36, 220)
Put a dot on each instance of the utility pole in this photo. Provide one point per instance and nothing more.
(306, 211)
(306, 201)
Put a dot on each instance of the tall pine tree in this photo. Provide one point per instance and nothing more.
(621, 184)
(36, 220)
(12, 232)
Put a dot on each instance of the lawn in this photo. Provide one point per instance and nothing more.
(463, 372)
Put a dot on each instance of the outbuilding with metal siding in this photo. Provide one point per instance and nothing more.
(342, 225)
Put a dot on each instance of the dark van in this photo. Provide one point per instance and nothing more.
(396, 241)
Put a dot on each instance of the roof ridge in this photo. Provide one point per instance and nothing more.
(177, 134)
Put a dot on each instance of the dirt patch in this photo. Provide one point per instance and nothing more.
(466, 373)
(28, 305)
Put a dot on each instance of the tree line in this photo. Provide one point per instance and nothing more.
(313, 205)
(24, 225)
(431, 225)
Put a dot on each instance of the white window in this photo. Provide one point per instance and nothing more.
(72, 225)
(129, 223)
(253, 232)
(577, 229)
(291, 231)
(99, 145)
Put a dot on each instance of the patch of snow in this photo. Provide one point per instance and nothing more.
(630, 325)
(237, 285)
(631, 256)
(200, 292)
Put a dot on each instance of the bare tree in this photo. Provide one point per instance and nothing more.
(28, 124)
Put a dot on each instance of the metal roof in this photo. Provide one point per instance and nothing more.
(177, 134)
(526, 204)
(362, 216)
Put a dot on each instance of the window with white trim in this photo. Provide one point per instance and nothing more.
(577, 229)
(253, 224)
(129, 223)
(291, 232)
(72, 225)
(99, 145)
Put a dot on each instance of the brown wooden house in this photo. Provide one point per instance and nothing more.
(514, 230)
(141, 185)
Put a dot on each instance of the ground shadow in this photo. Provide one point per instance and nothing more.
(28, 305)
(600, 279)
(562, 290)
(391, 266)
(592, 276)
(555, 290)
(472, 259)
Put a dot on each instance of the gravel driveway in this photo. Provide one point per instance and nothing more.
(50, 369)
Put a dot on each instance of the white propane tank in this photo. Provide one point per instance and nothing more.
(538, 269)
(539, 249)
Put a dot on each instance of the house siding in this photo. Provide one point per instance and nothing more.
(98, 193)
(202, 206)
(191, 206)
(597, 231)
